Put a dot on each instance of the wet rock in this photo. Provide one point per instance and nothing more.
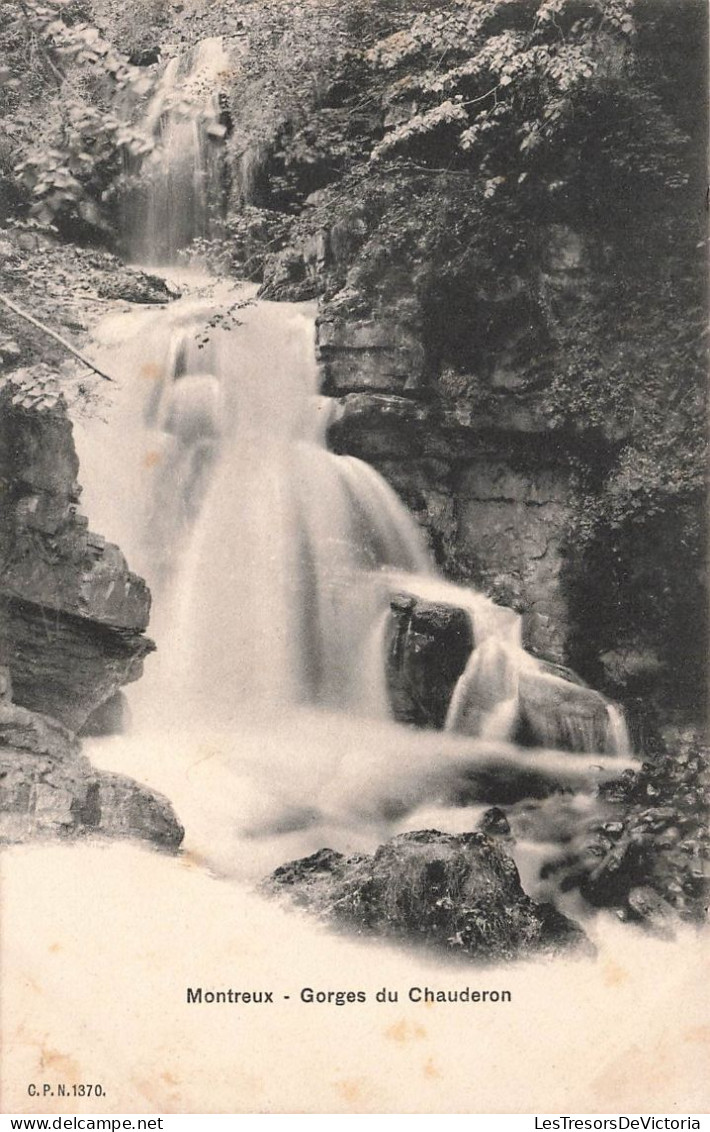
(145, 56)
(459, 893)
(111, 718)
(65, 665)
(562, 671)
(653, 911)
(72, 615)
(429, 644)
(494, 823)
(49, 790)
(135, 287)
(554, 712)
(128, 809)
(657, 840)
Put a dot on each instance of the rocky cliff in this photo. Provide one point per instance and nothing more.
(74, 616)
(72, 632)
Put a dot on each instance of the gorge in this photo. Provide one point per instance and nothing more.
(386, 534)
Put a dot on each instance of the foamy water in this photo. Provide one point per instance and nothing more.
(253, 795)
(96, 967)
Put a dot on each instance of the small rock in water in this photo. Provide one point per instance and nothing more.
(495, 823)
(136, 287)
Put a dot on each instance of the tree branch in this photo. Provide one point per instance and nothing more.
(52, 334)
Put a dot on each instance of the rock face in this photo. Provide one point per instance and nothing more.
(428, 649)
(72, 622)
(460, 893)
(49, 790)
(72, 616)
(502, 527)
(378, 355)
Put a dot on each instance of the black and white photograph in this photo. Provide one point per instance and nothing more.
(353, 611)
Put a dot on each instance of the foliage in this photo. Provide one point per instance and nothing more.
(245, 238)
(659, 839)
(83, 147)
(224, 317)
(36, 388)
(520, 91)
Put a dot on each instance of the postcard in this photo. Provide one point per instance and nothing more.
(352, 571)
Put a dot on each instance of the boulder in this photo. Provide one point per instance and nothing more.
(135, 286)
(554, 712)
(49, 790)
(460, 893)
(428, 646)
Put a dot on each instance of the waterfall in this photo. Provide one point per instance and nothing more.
(268, 555)
(265, 714)
(176, 197)
(273, 560)
(505, 693)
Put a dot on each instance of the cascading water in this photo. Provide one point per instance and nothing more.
(270, 553)
(245, 490)
(273, 563)
(284, 565)
(177, 194)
